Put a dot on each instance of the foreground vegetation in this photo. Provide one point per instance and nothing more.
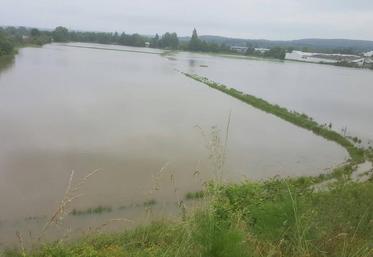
(278, 217)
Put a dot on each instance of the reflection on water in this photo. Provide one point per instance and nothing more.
(134, 117)
(5, 63)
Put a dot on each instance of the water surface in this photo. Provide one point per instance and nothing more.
(134, 117)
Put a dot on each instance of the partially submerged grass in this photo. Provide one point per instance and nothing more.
(194, 195)
(113, 49)
(150, 202)
(299, 119)
(91, 211)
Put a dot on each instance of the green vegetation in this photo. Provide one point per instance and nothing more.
(6, 45)
(61, 34)
(277, 217)
(301, 120)
(90, 211)
(166, 41)
(194, 195)
(12, 38)
(330, 46)
(150, 202)
(197, 45)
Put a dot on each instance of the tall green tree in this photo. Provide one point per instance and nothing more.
(155, 41)
(169, 40)
(61, 34)
(35, 33)
(195, 42)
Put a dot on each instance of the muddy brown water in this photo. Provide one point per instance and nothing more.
(128, 114)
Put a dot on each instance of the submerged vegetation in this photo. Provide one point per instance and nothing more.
(194, 195)
(299, 119)
(150, 202)
(89, 211)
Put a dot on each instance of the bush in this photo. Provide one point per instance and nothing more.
(6, 46)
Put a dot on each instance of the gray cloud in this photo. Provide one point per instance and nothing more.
(271, 19)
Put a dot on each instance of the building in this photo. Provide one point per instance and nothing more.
(239, 49)
(262, 50)
(368, 54)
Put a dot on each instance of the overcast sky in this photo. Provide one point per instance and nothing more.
(270, 19)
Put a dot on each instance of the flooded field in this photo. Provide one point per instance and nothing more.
(338, 95)
(145, 126)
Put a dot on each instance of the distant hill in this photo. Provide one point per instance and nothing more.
(312, 43)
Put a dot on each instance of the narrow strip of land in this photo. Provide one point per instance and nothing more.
(298, 119)
(113, 49)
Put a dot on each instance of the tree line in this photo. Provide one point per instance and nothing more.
(11, 37)
(169, 40)
(274, 52)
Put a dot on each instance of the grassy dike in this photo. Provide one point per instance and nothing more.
(298, 119)
(278, 217)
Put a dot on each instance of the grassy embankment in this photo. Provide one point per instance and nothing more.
(277, 217)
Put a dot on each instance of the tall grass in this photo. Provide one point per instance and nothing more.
(277, 217)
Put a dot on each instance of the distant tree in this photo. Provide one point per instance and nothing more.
(6, 45)
(169, 40)
(195, 42)
(137, 40)
(115, 38)
(122, 39)
(38, 37)
(35, 33)
(276, 52)
(155, 41)
(250, 51)
(61, 34)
